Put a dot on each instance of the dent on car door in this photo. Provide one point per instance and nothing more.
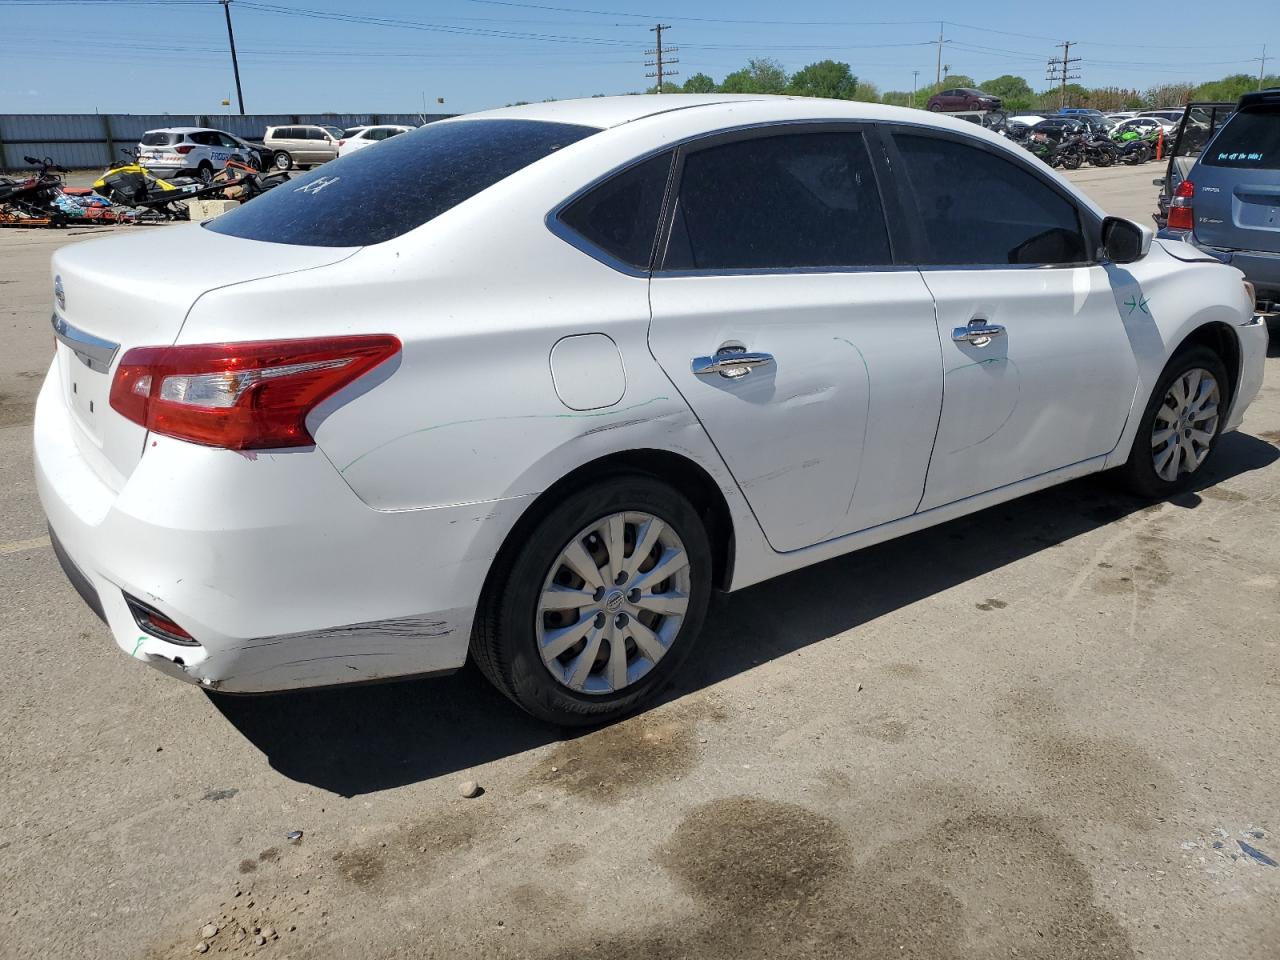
(810, 359)
(1039, 372)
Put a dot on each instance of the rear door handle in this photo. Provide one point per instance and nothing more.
(979, 333)
(730, 364)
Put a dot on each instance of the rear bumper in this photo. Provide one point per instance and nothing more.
(281, 574)
(1259, 267)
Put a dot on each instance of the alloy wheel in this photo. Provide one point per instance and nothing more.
(613, 602)
(1186, 423)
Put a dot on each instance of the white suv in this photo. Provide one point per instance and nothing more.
(197, 151)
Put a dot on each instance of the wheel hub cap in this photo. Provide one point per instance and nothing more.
(1185, 425)
(613, 603)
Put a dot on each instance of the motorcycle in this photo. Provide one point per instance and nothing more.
(32, 202)
(129, 183)
(1101, 151)
(1068, 154)
(242, 181)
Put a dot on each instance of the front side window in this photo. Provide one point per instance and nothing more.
(620, 216)
(374, 195)
(800, 200)
(977, 208)
(1251, 139)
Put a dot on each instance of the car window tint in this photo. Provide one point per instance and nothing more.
(789, 201)
(374, 195)
(1249, 139)
(315, 133)
(978, 208)
(621, 215)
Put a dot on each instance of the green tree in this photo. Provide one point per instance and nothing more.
(1168, 95)
(1232, 87)
(761, 75)
(897, 98)
(1014, 91)
(867, 92)
(667, 87)
(953, 80)
(699, 83)
(826, 78)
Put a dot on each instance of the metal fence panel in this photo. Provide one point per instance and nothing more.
(92, 140)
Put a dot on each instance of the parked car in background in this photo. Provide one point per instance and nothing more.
(368, 136)
(1146, 126)
(302, 145)
(196, 151)
(1229, 204)
(1122, 115)
(1057, 129)
(963, 98)
(1083, 113)
(1200, 121)
(1173, 115)
(721, 329)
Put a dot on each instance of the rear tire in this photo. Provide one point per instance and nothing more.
(522, 625)
(1192, 426)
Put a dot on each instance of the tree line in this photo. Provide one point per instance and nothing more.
(831, 78)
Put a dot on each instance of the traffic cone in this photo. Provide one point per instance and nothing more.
(1160, 144)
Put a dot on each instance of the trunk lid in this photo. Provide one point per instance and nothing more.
(1237, 183)
(114, 294)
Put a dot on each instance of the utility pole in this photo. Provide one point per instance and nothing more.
(235, 64)
(1059, 71)
(660, 56)
(938, 77)
(1263, 67)
(915, 76)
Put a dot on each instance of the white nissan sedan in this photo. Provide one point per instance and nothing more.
(592, 361)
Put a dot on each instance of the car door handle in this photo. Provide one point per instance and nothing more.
(978, 332)
(730, 364)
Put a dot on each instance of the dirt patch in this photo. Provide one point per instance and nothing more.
(743, 854)
(413, 849)
(645, 750)
(1222, 493)
(15, 410)
(991, 604)
(1271, 436)
(777, 880)
(885, 728)
(565, 854)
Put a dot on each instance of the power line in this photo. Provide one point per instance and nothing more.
(659, 56)
(1060, 70)
(235, 64)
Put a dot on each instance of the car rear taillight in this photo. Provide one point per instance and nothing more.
(241, 396)
(184, 149)
(152, 621)
(1180, 207)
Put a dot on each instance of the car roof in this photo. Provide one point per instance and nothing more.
(610, 112)
(186, 130)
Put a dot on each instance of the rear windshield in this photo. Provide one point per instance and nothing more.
(1250, 139)
(396, 185)
(160, 138)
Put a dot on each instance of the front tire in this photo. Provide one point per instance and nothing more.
(204, 172)
(282, 161)
(1180, 427)
(574, 627)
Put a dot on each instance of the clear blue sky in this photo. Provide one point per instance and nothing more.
(326, 55)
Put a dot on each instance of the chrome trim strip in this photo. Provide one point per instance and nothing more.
(94, 352)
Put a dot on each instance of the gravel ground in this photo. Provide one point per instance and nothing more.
(1047, 730)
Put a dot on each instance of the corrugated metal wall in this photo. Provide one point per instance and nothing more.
(90, 140)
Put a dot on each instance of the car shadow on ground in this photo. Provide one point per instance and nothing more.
(358, 740)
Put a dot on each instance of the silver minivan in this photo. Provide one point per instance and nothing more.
(302, 145)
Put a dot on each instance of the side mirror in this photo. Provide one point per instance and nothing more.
(1158, 182)
(1124, 241)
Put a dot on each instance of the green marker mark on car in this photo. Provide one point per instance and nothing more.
(136, 646)
(1137, 303)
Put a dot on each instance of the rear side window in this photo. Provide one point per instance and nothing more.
(374, 195)
(779, 202)
(160, 138)
(1250, 139)
(620, 216)
(977, 208)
